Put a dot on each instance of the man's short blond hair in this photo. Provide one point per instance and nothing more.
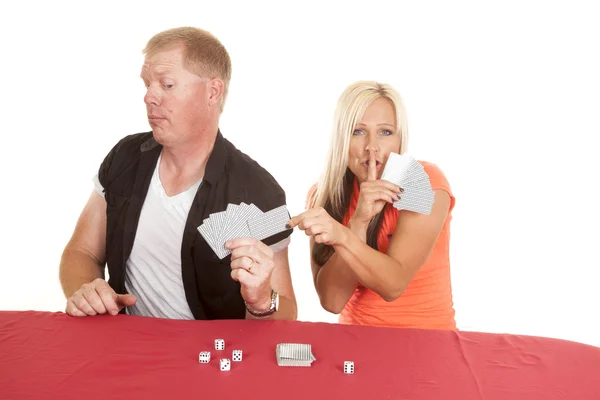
(203, 55)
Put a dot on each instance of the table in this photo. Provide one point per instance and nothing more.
(52, 355)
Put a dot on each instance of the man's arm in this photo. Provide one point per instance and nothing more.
(281, 282)
(83, 258)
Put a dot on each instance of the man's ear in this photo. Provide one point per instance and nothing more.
(215, 91)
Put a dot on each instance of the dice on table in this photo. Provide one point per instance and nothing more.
(219, 344)
(348, 367)
(225, 364)
(204, 357)
(237, 355)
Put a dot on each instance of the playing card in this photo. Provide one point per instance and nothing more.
(414, 172)
(216, 224)
(206, 231)
(230, 212)
(395, 167)
(237, 227)
(409, 174)
(270, 223)
(416, 200)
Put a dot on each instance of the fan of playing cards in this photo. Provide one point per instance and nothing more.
(409, 174)
(242, 220)
(294, 355)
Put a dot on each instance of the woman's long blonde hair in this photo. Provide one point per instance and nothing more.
(336, 182)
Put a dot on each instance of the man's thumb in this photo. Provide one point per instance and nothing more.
(125, 300)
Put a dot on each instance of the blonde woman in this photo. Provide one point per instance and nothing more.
(373, 264)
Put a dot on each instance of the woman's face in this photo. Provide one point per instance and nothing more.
(376, 136)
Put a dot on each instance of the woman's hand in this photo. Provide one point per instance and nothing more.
(317, 223)
(374, 194)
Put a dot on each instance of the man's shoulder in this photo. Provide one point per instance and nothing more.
(132, 143)
(247, 171)
(126, 151)
(247, 181)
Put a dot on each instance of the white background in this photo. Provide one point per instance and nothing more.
(504, 97)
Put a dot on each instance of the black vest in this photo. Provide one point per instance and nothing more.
(230, 177)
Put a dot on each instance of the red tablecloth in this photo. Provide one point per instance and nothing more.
(51, 355)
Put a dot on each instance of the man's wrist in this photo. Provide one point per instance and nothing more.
(265, 307)
(263, 303)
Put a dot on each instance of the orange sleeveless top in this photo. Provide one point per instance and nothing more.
(427, 301)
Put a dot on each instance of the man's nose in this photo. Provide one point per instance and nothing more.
(152, 96)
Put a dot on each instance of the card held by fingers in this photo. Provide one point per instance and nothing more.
(242, 220)
(406, 172)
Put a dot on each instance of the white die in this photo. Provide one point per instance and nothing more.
(348, 367)
(219, 344)
(225, 364)
(204, 357)
(237, 355)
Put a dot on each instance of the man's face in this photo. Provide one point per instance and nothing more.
(176, 99)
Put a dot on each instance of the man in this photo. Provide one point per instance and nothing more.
(154, 189)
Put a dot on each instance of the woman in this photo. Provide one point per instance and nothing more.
(373, 264)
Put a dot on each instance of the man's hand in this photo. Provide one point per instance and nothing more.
(97, 297)
(252, 265)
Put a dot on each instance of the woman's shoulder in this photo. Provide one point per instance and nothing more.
(437, 177)
(438, 180)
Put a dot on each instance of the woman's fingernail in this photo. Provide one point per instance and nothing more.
(287, 226)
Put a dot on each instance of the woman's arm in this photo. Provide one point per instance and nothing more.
(334, 281)
(354, 261)
(412, 242)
